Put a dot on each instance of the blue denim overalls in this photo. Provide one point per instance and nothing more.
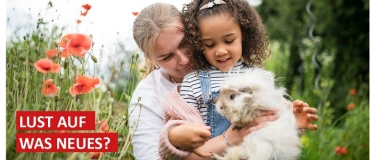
(216, 121)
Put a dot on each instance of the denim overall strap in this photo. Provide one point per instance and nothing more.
(205, 86)
(216, 121)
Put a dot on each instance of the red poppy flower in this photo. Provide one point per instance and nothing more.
(46, 65)
(102, 125)
(52, 53)
(94, 155)
(48, 88)
(64, 53)
(351, 106)
(83, 85)
(86, 6)
(84, 13)
(78, 21)
(75, 44)
(135, 13)
(352, 91)
(340, 150)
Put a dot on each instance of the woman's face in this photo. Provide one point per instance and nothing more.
(169, 54)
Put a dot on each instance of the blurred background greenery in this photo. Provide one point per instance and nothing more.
(320, 51)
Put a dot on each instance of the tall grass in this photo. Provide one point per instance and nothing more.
(24, 83)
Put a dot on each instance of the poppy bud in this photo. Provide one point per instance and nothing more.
(36, 50)
(120, 140)
(142, 70)
(95, 60)
(56, 44)
(137, 56)
(22, 57)
(24, 37)
(65, 65)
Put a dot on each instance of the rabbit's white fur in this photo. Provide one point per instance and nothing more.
(241, 99)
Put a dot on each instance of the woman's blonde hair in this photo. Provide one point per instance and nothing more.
(148, 25)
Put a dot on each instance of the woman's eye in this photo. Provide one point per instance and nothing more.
(167, 58)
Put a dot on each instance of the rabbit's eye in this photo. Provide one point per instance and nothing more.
(232, 96)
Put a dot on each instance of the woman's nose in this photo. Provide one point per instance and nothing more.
(183, 59)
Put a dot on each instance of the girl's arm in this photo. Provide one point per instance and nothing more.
(304, 115)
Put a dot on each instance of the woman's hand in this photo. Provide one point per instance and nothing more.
(189, 136)
(304, 115)
(235, 136)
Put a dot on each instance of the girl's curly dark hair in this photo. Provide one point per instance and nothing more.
(255, 38)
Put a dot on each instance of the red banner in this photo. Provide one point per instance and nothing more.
(67, 142)
(55, 120)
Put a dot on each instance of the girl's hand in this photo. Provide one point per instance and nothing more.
(189, 136)
(236, 136)
(304, 115)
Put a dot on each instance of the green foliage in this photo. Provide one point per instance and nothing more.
(353, 135)
(342, 27)
(350, 130)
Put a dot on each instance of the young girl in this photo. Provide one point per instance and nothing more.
(225, 36)
(228, 36)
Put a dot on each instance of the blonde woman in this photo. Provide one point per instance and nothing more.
(158, 31)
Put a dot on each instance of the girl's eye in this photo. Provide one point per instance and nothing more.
(229, 42)
(209, 46)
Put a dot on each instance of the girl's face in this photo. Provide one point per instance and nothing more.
(222, 40)
(169, 54)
